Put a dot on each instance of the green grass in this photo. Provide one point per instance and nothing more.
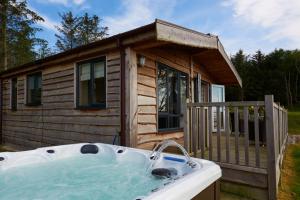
(289, 187)
(296, 157)
(294, 120)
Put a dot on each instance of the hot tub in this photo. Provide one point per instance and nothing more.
(105, 172)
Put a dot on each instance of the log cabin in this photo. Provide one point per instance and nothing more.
(127, 89)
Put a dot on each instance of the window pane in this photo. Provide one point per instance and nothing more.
(99, 83)
(183, 88)
(162, 122)
(204, 92)
(174, 122)
(196, 90)
(34, 89)
(162, 90)
(173, 93)
(84, 82)
(172, 90)
(14, 89)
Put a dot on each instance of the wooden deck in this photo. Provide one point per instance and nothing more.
(220, 131)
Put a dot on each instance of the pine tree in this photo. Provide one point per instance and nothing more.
(17, 33)
(237, 93)
(3, 44)
(43, 50)
(89, 29)
(76, 31)
(69, 27)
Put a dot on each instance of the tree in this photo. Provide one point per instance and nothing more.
(276, 73)
(69, 26)
(43, 49)
(76, 31)
(89, 29)
(17, 33)
(236, 93)
(3, 46)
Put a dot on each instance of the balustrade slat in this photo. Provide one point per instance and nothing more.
(210, 133)
(194, 132)
(202, 131)
(236, 130)
(227, 132)
(186, 128)
(246, 134)
(191, 128)
(256, 132)
(219, 133)
(279, 130)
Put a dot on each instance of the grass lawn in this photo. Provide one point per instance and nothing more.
(296, 185)
(294, 120)
(290, 178)
(290, 175)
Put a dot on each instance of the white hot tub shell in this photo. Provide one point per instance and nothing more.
(190, 181)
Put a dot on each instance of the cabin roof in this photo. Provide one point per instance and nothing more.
(211, 51)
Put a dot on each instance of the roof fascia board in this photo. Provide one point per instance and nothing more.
(228, 61)
(175, 34)
(179, 35)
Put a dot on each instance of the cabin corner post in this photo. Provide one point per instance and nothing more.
(271, 148)
(131, 98)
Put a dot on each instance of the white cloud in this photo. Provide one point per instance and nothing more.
(135, 13)
(48, 23)
(78, 2)
(280, 18)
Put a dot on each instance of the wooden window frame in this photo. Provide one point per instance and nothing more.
(179, 106)
(90, 86)
(27, 93)
(13, 106)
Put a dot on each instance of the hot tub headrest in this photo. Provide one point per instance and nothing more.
(89, 148)
(164, 172)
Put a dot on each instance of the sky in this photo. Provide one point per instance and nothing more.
(249, 25)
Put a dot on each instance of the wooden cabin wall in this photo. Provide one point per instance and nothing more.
(148, 135)
(57, 121)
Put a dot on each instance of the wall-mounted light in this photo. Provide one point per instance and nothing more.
(141, 61)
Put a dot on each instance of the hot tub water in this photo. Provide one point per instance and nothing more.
(103, 172)
(80, 177)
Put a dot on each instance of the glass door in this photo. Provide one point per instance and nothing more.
(217, 95)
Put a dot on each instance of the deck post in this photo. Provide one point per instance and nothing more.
(186, 123)
(270, 134)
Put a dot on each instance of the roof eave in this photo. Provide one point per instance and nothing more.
(179, 35)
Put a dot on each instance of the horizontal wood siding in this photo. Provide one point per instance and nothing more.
(57, 121)
(148, 135)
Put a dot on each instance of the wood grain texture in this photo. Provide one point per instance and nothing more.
(57, 121)
(131, 102)
(147, 90)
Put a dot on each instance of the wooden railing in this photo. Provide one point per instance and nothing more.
(248, 136)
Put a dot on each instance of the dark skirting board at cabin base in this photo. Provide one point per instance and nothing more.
(212, 192)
